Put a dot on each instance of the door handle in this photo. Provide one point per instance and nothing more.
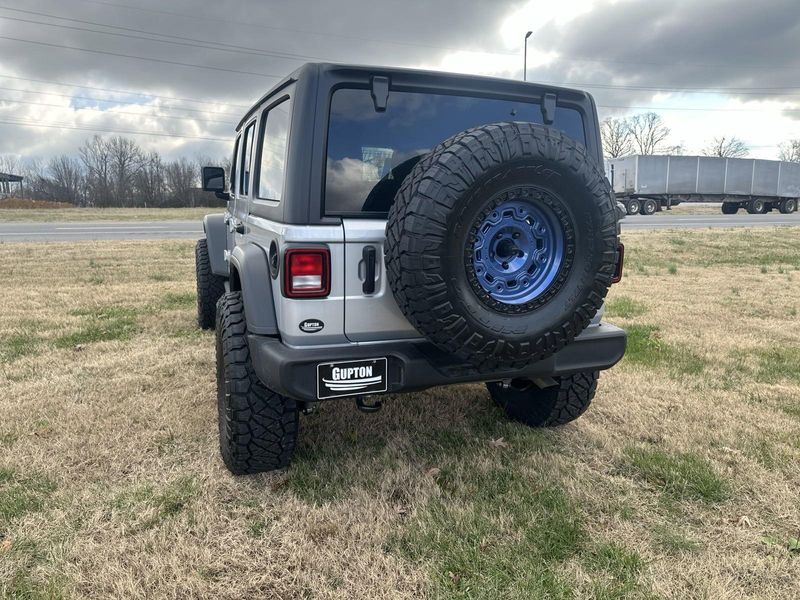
(368, 254)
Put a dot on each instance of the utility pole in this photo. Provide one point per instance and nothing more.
(525, 58)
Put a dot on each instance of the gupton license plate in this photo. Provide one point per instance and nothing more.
(351, 378)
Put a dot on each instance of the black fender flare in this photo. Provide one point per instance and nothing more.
(252, 267)
(217, 240)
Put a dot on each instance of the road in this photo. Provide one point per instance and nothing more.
(162, 230)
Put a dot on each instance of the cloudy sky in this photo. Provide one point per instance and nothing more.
(187, 69)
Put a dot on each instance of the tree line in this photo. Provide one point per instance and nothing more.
(648, 134)
(113, 172)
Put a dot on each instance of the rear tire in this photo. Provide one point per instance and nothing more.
(788, 206)
(209, 287)
(757, 207)
(728, 208)
(547, 407)
(257, 427)
(649, 207)
(633, 207)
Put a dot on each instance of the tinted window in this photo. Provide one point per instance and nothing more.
(247, 153)
(370, 153)
(274, 143)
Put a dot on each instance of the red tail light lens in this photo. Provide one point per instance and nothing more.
(620, 259)
(306, 273)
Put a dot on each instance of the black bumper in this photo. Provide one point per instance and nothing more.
(417, 365)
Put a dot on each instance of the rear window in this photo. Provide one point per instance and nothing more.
(370, 153)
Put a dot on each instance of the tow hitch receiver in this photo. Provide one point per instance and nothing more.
(368, 407)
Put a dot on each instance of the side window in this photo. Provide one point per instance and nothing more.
(274, 144)
(234, 163)
(247, 153)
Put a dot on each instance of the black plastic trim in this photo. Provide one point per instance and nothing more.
(416, 364)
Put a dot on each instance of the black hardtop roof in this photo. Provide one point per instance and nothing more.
(453, 80)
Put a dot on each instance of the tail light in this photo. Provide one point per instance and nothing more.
(620, 258)
(306, 273)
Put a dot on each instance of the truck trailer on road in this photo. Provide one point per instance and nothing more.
(646, 184)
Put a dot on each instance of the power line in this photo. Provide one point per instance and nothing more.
(686, 108)
(127, 92)
(128, 102)
(288, 29)
(116, 112)
(287, 56)
(22, 123)
(167, 35)
(690, 90)
(145, 58)
(419, 45)
(197, 44)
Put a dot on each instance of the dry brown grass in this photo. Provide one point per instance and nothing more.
(680, 482)
(72, 214)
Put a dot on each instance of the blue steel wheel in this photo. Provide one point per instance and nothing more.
(518, 251)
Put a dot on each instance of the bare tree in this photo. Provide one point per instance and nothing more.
(65, 180)
(649, 133)
(182, 179)
(727, 147)
(9, 163)
(616, 134)
(790, 151)
(127, 160)
(96, 159)
(149, 182)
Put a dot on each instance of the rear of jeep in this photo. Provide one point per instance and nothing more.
(390, 230)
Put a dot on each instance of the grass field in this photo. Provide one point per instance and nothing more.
(680, 482)
(71, 215)
(161, 214)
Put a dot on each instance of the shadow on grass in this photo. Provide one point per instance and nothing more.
(341, 448)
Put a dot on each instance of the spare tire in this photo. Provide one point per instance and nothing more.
(502, 243)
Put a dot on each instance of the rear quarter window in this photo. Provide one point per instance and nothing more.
(370, 153)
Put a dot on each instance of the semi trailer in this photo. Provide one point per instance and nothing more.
(646, 184)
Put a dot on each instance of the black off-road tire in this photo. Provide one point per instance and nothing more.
(209, 287)
(428, 236)
(257, 427)
(550, 406)
(633, 207)
(728, 208)
(788, 206)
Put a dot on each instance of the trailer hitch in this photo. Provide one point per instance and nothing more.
(368, 407)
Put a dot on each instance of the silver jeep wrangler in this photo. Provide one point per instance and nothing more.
(388, 230)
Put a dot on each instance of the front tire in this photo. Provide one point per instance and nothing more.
(546, 407)
(209, 286)
(633, 207)
(729, 208)
(257, 427)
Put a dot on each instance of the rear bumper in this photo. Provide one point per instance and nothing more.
(417, 365)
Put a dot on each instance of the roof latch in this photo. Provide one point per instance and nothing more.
(548, 109)
(380, 92)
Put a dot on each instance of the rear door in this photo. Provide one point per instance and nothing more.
(370, 151)
(371, 313)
